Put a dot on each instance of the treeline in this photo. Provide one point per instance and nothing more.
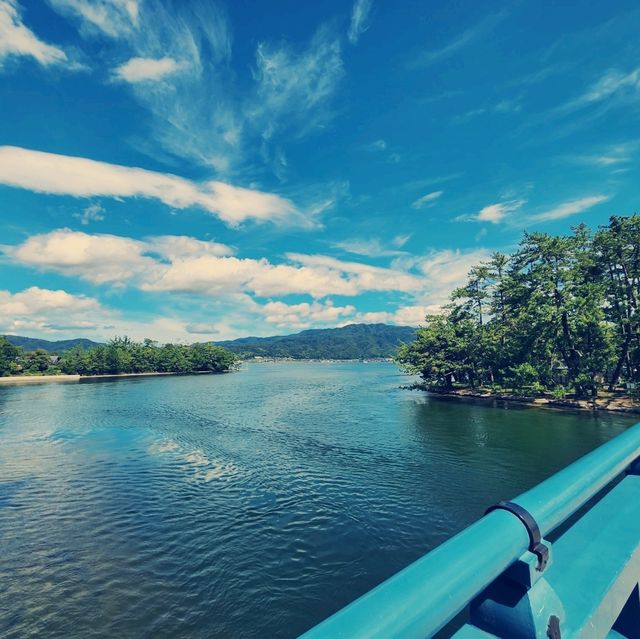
(560, 315)
(120, 355)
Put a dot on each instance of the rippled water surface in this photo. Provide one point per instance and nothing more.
(244, 505)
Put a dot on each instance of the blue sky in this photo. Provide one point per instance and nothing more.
(207, 170)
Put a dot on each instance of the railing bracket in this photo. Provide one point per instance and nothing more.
(535, 538)
(553, 629)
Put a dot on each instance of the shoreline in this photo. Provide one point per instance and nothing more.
(22, 379)
(614, 405)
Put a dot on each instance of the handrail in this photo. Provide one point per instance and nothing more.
(423, 597)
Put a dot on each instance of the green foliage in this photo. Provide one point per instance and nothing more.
(522, 376)
(355, 341)
(560, 312)
(120, 355)
(35, 362)
(559, 392)
(8, 357)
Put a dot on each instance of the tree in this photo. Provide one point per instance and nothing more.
(560, 310)
(8, 357)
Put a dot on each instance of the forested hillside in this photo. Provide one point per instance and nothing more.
(558, 316)
(60, 346)
(355, 341)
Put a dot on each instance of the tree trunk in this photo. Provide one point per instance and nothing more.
(621, 361)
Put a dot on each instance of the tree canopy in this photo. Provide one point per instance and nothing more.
(558, 315)
(120, 355)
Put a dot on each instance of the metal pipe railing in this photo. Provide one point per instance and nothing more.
(421, 599)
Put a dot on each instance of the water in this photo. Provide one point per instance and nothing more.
(252, 504)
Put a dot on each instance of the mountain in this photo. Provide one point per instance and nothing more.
(32, 344)
(355, 341)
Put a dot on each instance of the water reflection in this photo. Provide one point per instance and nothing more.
(244, 505)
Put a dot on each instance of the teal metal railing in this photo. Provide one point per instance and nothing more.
(488, 565)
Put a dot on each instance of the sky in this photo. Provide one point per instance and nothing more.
(204, 170)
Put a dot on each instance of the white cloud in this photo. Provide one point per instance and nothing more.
(203, 328)
(186, 265)
(359, 20)
(176, 247)
(570, 208)
(210, 275)
(443, 271)
(96, 258)
(493, 213)
(37, 300)
(17, 40)
(103, 258)
(402, 316)
(146, 69)
(361, 277)
(304, 315)
(91, 213)
(57, 314)
(37, 309)
(427, 200)
(81, 177)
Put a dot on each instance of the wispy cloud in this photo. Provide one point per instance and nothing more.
(188, 46)
(503, 107)
(572, 207)
(359, 19)
(377, 145)
(115, 18)
(91, 213)
(400, 240)
(294, 88)
(372, 247)
(17, 40)
(613, 88)
(611, 156)
(81, 177)
(459, 42)
(493, 213)
(427, 200)
(612, 82)
(184, 120)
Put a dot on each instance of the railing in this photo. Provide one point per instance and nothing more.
(588, 588)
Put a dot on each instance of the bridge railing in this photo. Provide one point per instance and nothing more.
(421, 599)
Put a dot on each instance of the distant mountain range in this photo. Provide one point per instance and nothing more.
(32, 344)
(355, 341)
